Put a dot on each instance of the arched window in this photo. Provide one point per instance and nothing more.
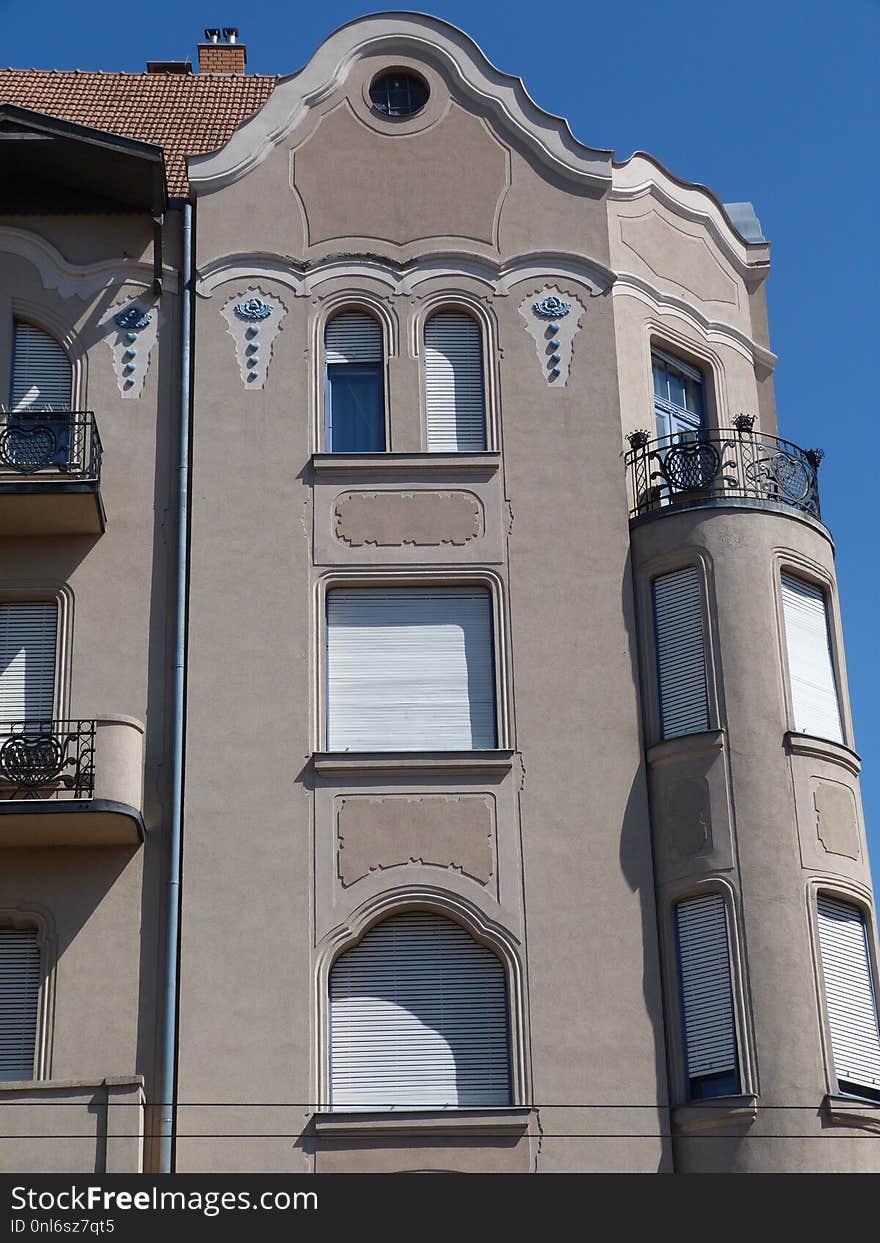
(707, 1006)
(455, 407)
(354, 396)
(19, 1001)
(850, 997)
(42, 377)
(418, 1019)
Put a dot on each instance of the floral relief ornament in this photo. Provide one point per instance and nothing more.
(253, 320)
(253, 309)
(551, 307)
(553, 322)
(131, 329)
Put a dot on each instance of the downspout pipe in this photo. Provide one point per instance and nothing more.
(168, 1053)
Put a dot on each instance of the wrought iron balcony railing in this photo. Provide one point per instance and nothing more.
(719, 464)
(47, 759)
(50, 444)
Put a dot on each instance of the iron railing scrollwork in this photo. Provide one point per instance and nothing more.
(692, 468)
(63, 445)
(47, 759)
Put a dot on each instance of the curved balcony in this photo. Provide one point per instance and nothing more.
(721, 466)
(50, 473)
(71, 783)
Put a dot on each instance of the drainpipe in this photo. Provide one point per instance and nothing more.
(172, 940)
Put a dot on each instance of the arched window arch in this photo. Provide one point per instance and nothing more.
(354, 393)
(419, 1019)
(455, 402)
(42, 375)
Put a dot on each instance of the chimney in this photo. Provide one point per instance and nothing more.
(222, 52)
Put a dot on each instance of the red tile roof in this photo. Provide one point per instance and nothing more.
(185, 114)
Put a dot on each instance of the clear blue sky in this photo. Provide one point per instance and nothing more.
(773, 102)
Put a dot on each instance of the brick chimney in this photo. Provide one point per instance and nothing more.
(222, 53)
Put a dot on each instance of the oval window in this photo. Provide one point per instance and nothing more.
(398, 94)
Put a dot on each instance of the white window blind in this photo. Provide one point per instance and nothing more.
(681, 653)
(849, 993)
(27, 661)
(707, 998)
(353, 337)
(418, 1019)
(41, 373)
(410, 669)
(19, 994)
(810, 666)
(454, 403)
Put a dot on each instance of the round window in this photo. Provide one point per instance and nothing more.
(398, 94)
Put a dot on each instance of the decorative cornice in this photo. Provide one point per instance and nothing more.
(80, 279)
(403, 278)
(642, 175)
(501, 95)
(627, 284)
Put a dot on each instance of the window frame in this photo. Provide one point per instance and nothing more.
(29, 917)
(814, 576)
(356, 304)
(414, 580)
(62, 598)
(462, 304)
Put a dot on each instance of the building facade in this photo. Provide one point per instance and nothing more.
(426, 737)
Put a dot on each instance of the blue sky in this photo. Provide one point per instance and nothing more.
(770, 102)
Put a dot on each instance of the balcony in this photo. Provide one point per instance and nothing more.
(723, 466)
(50, 474)
(71, 783)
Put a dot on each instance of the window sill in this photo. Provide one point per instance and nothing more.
(823, 749)
(486, 463)
(703, 743)
(328, 762)
(72, 1085)
(862, 1115)
(722, 1111)
(486, 1123)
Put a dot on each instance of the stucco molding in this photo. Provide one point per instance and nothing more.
(500, 96)
(445, 466)
(421, 1125)
(253, 332)
(627, 284)
(82, 280)
(642, 176)
(851, 1112)
(404, 278)
(474, 918)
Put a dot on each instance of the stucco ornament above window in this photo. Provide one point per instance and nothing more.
(254, 320)
(553, 320)
(132, 328)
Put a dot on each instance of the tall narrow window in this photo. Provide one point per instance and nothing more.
(454, 401)
(418, 1019)
(410, 669)
(681, 653)
(810, 664)
(850, 997)
(707, 997)
(19, 996)
(42, 378)
(27, 661)
(354, 401)
(679, 403)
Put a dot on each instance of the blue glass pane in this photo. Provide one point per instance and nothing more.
(726, 1083)
(356, 411)
(660, 389)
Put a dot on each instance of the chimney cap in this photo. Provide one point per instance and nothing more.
(230, 34)
(212, 34)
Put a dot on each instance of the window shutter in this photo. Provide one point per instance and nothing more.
(410, 670)
(27, 661)
(454, 404)
(19, 994)
(41, 373)
(418, 1019)
(353, 337)
(707, 998)
(810, 667)
(681, 653)
(849, 993)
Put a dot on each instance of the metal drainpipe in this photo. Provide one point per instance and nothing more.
(172, 944)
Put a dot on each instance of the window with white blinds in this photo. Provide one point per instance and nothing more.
(42, 378)
(707, 997)
(27, 660)
(410, 669)
(850, 998)
(355, 393)
(454, 401)
(19, 997)
(418, 1019)
(681, 653)
(810, 665)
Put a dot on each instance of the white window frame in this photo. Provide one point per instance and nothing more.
(62, 598)
(32, 918)
(463, 304)
(810, 574)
